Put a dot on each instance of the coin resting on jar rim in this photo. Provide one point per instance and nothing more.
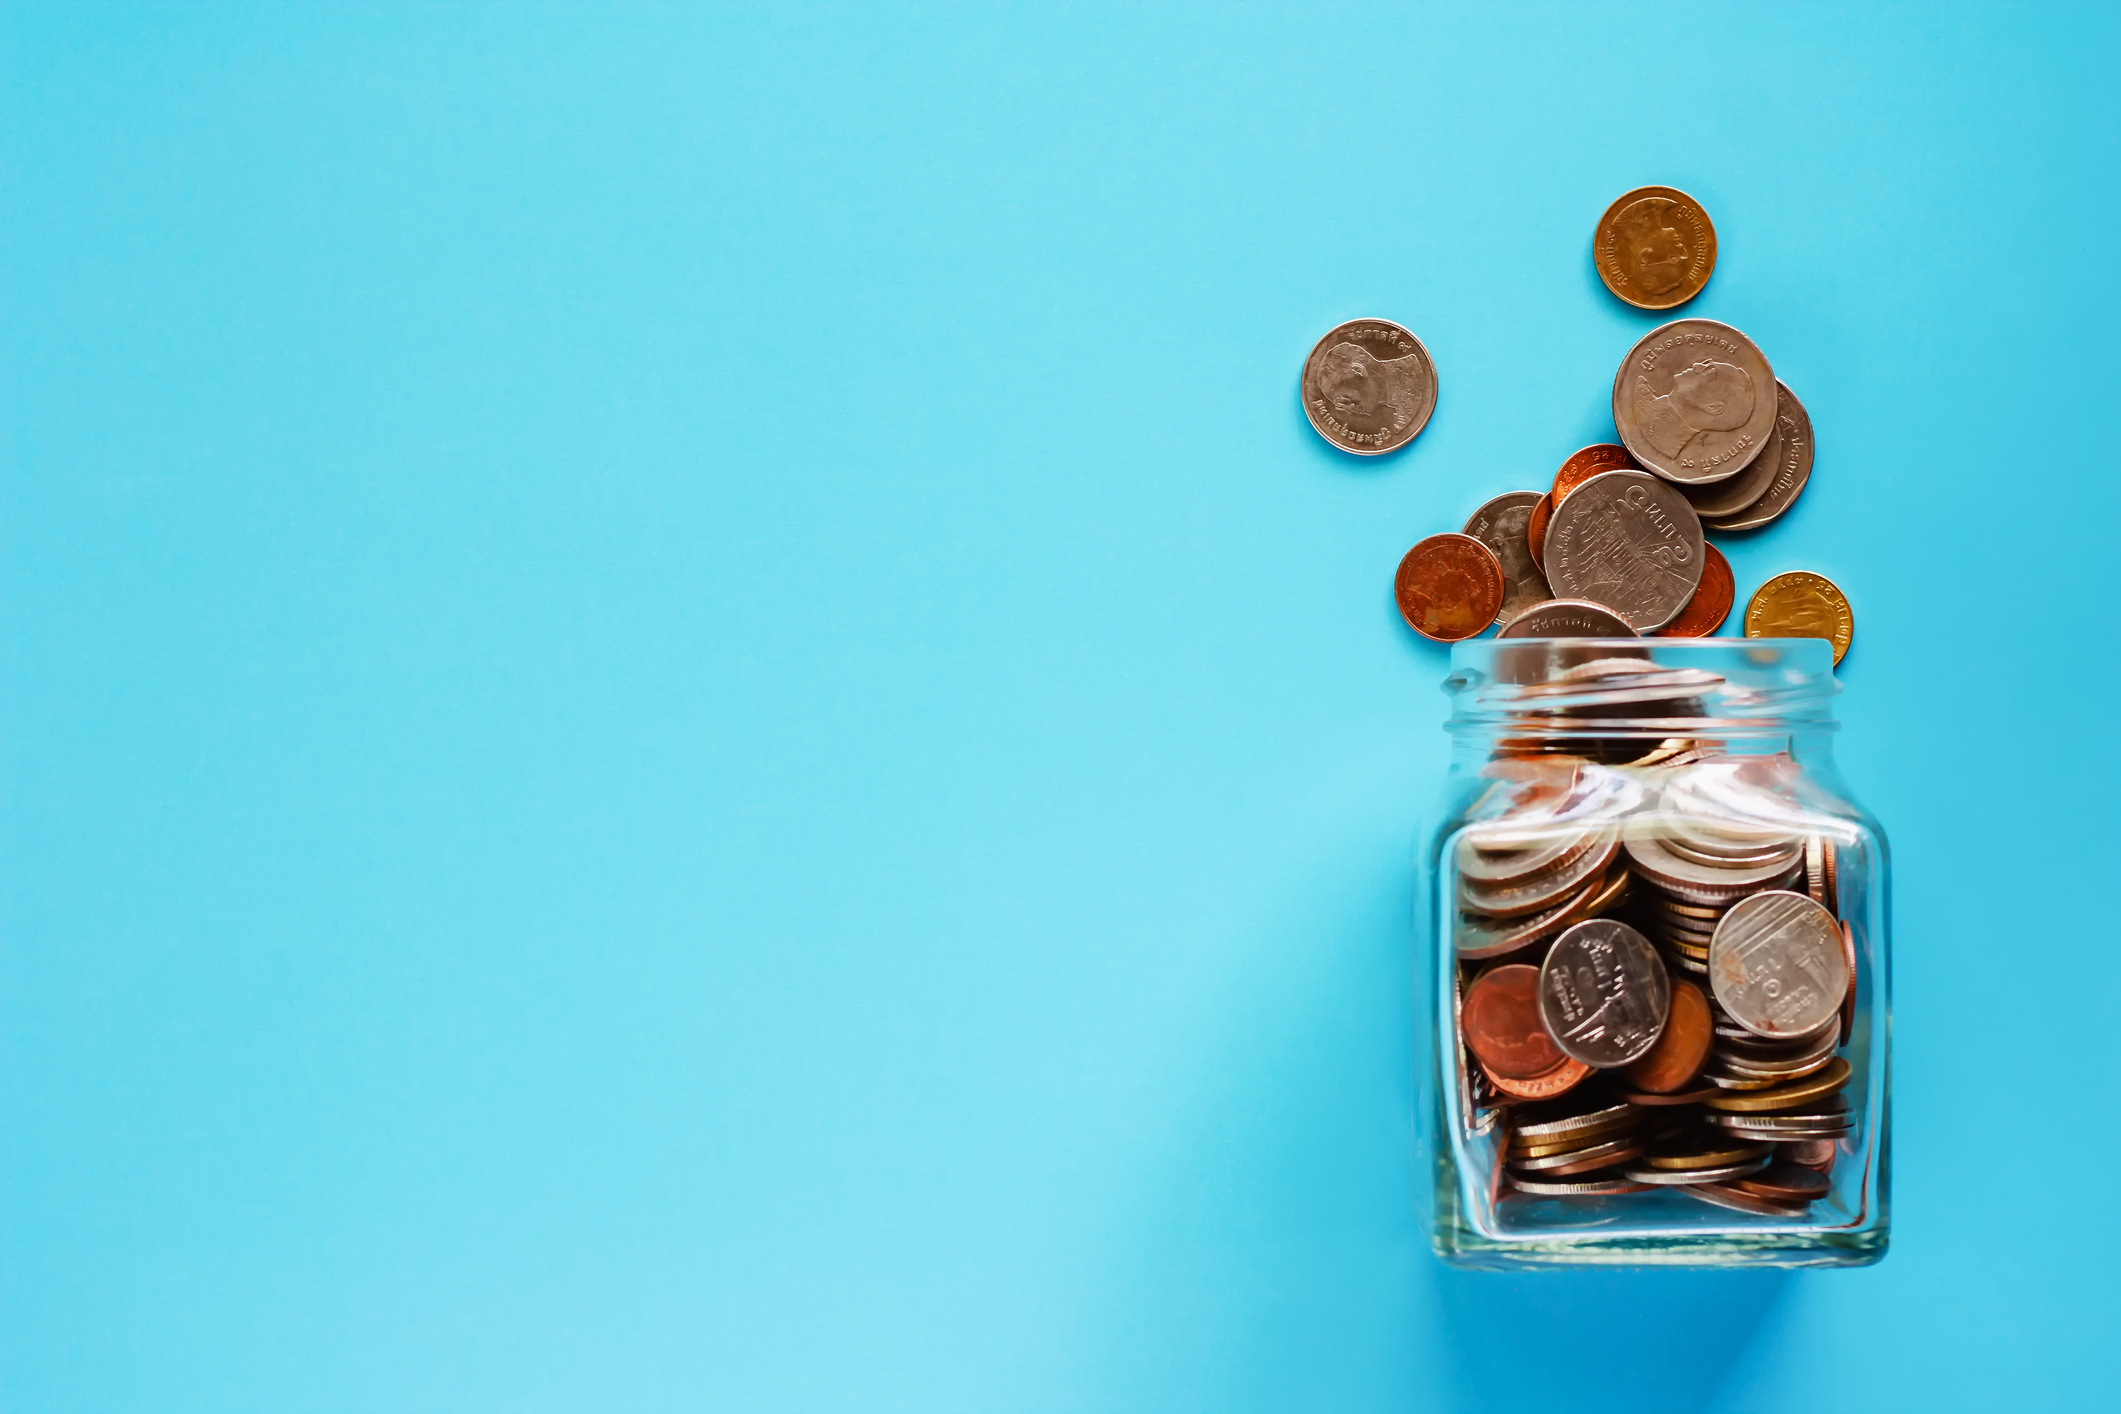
(1655, 247)
(1369, 387)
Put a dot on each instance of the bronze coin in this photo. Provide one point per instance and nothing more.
(1678, 1097)
(1711, 604)
(1449, 587)
(1501, 1020)
(1800, 604)
(1655, 247)
(1786, 1182)
(1730, 1195)
(1678, 1055)
(1586, 463)
(1595, 1156)
(1605, 1156)
(1535, 530)
(1812, 1153)
(1561, 1079)
(1705, 1151)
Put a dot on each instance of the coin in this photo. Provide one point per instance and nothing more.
(1480, 937)
(1587, 462)
(1784, 1097)
(1801, 604)
(1811, 1153)
(1369, 387)
(1535, 531)
(1729, 1195)
(1711, 604)
(1848, 953)
(1789, 453)
(1582, 1160)
(1603, 993)
(1694, 401)
(1626, 540)
(1449, 587)
(1681, 1097)
(1655, 247)
(1509, 900)
(1500, 525)
(1643, 1173)
(1558, 1081)
(1787, 1182)
(1777, 965)
(1702, 1151)
(1679, 1052)
(1500, 1020)
(1587, 1189)
(1543, 1123)
(1567, 618)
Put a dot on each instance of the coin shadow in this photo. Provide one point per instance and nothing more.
(1533, 1340)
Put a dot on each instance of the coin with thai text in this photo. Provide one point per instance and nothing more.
(1568, 618)
(1628, 541)
(1711, 604)
(1449, 587)
(1500, 525)
(1800, 604)
(1782, 466)
(1694, 401)
(1603, 993)
(1369, 387)
(1655, 247)
(1587, 462)
(1777, 965)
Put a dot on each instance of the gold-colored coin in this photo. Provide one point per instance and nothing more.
(1783, 1097)
(1801, 604)
(1655, 247)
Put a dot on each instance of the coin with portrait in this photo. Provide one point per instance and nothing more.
(1694, 401)
(1655, 247)
(1369, 387)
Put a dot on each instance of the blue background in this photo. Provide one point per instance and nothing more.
(689, 723)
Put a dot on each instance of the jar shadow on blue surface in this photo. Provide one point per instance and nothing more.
(1654, 789)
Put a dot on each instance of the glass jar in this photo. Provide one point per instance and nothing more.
(1656, 961)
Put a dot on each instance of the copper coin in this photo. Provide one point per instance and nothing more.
(1680, 1051)
(1561, 1079)
(1501, 1020)
(1800, 604)
(1655, 247)
(1535, 530)
(1812, 1153)
(1730, 1195)
(1597, 1156)
(1677, 1097)
(1449, 587)
(1586, 463)
(1786, 1182)
(1711, 604)
(1848, 1001)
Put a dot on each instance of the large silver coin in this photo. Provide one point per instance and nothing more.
(1777, 965)
(1694, 401)
(1369, 387)
(1500, 525)
(1603, 993)
(1788, 441)
(1628, 541)
(1789, 452)
(1567, 618)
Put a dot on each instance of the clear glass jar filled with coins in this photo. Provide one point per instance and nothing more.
(1657, 928)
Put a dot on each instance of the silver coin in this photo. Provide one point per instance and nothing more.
(1562, 1188)
(1660, 864)
(1736, 493)
(1517, 897)
(1790, 447)
(1496, 866)
(1500, 525)
(1603, 993)
(1369, 387)
(1693, 401)
(1567, 618)
(1627, 1146)
(1628, 541)
(1643, 1173)
(1777, 965)
(1741, 1201)
(1609, 1117)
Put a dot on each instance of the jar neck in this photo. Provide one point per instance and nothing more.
(1620, 698)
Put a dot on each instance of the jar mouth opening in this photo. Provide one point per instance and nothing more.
(1637, 688)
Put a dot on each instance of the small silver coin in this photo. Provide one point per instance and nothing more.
(1606, 1118)
(1603, 993)
(1728, 497)
(1694, 401)
(1567, 618)
(1369, 387)
(1562, 1188)
(1777, 965)
(1500, 525)
(1522, 896)
(1790, 447)
(1628, 541)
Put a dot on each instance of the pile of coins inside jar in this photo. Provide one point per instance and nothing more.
(1653, 982)
(1707, 439)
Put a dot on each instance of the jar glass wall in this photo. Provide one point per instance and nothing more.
(1656, 940)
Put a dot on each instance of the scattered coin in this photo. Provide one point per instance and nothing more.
(1535, 531)
(1449, 587)
(1694, 401)
(1801, 604)
(1567, 618)
(1587, 462)
(1626, 540)
(1711, 604)
(1655, 247)
(1500, 525)
(1782, 467)
(1369, 387)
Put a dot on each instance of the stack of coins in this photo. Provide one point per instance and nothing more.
(1706, 438)
(1653, 981)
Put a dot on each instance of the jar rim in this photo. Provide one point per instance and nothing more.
(1581, 687)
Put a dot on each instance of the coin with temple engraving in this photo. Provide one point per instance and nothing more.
(1655, 247)
(1694, 401)
(1630, 542)
(1369, 387)
(1603, 993)
(1777, 965)
(1500, 525)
